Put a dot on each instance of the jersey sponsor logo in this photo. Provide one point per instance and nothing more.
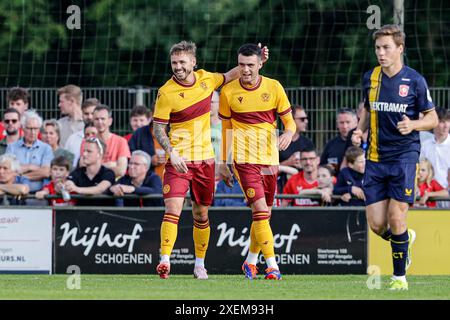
(166, 188)
(240, 99)
(403, 90)
(408, 192)
(181, 94)
(265, 97)
(203, 85)
(250, 192)
(405, 79)
(389, 107)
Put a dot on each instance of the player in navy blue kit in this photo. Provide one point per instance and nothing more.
(394, 96)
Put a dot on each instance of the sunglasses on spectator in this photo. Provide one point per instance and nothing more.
(10, 121)
(96, 141)
(302, 119)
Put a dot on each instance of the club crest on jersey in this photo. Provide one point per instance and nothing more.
(240, 99)
(203, 85)
(166, 188)
(181, 94)
(403, 90)
(265, 97)
(250, 192)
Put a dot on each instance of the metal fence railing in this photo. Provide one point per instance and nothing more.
(321, 104)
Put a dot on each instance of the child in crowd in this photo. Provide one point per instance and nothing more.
(59, 171)
(349, 182)
(428, 187)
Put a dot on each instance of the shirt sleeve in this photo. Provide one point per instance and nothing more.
(436, 186)
(162, 109)
(224, 106)
(365, 89)
(423, 99)
(124, 149)
(283, 104)
(108, 175)
(218, 79)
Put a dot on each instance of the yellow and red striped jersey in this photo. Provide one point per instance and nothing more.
(187, 108)
(253, 114)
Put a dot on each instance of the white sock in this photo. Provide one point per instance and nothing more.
(199, 262)
(165, 258)
(252, 258)
(271, 263)
(401, 278)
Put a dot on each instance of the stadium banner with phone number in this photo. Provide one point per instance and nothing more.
(307, 241)
(25, 240)
(431, 249)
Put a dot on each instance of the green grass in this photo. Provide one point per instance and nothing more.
(218, 287)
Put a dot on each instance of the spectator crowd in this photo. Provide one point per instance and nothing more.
(79, 154)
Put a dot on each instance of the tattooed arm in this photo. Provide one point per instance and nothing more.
(159, 130)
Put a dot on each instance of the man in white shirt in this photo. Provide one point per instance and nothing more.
(70, 98)
(73, 143)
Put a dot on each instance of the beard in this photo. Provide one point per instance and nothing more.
(11, 132)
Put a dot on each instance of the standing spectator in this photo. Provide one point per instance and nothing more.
(437, 150)
(73, 143)
(427, 186)
(304, 180)
(291, 156)
(140, 116)
(94, 179)
(11, 119)
(17, 99)
(70, 98)
(10, 182)
(334, 150)
(140, 180)
(350, 178)
(117, 151)
(50, 132)
(33, 155)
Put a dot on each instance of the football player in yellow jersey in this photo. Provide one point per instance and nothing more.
(248, 108)
(184, 103)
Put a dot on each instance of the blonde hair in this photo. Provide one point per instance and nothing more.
(72, 92)
(430, 170)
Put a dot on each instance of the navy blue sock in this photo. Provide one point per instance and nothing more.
(399, 244)
(387, 235)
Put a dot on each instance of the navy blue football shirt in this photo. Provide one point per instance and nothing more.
(387, 100)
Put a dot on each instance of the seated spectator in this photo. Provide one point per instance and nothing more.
(50, 132)
(304, 180)
(94, 179)
(144, 139)
(325, 179)
(140, 180)
(428, 187)
(11, 121)
(291, 156)
(364, 138)
(73, 143)
(17, 99)
(34, 155)
(140, 116)
(117, 151)
(10, 182)
(350, 178)
(59, 171)
(334, 150)
(222, 188)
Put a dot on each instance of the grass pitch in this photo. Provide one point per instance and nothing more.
(218, 287)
